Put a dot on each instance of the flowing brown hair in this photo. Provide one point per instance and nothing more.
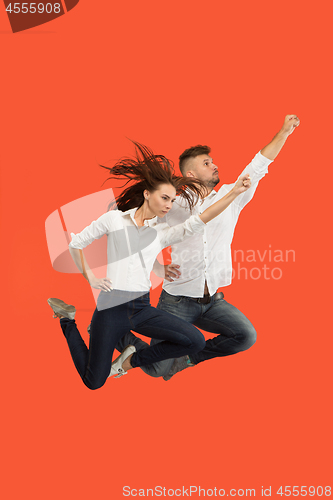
(147, 171)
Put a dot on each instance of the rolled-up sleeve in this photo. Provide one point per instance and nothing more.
(94, 231)
(170, 235)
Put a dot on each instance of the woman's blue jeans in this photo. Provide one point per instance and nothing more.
(118, 312)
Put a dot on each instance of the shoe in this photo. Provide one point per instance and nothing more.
(116, 367)
(179, 365)
(60, 307)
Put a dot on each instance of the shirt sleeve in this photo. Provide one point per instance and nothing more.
(170, 235)
(257, 169)
(94, 231)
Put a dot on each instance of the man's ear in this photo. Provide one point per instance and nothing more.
(189, 173)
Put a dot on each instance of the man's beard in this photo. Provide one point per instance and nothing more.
(212, 183)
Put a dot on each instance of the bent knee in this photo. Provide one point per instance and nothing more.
(198, 344)
(248, 338)
(93, 387)
(94, 384)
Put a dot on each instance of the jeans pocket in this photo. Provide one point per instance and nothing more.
(166, 298)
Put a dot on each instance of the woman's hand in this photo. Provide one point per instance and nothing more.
(101, 283)
(171, 272)
(167, 271)
(242, 184)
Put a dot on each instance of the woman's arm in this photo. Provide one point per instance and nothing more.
(166, 271)
(94, 231)
(196, 223)
(243, 183)
(82, 265)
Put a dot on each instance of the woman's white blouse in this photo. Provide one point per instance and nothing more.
(132, 250)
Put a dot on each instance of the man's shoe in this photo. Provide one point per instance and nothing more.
(179, 364)
(116, 367)
(59, 307)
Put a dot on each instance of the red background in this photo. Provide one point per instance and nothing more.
(169, 75)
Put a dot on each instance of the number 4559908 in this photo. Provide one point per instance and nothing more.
(32, 8)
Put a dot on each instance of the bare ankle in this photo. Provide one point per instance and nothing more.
(127, 363)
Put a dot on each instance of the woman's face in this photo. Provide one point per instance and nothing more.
(160, 201)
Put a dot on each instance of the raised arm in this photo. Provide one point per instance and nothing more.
(274, 147)
(242, 185)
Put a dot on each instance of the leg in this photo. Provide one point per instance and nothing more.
(93, 364)
(235, 332)
(182, 308)
(129, 338)
(179, 337)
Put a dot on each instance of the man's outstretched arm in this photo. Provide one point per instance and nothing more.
(274, 147)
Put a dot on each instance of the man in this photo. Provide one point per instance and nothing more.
(204, 262)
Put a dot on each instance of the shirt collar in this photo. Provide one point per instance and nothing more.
(147, 222)
(211, 194)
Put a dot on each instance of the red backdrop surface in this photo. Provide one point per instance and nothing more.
(169, 75)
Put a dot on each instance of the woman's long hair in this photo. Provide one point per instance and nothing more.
(148, 171)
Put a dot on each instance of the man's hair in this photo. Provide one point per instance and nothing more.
(148, 171)
(192, 153)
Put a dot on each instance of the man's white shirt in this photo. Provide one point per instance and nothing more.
(207, 256)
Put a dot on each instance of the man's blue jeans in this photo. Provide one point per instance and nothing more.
(235, 333)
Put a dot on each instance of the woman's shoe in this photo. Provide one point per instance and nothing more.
(59, 307)
(116, 367)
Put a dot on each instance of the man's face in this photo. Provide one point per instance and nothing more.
(203, 168)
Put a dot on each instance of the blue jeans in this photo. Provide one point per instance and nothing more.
(235, 333)
(121, 312)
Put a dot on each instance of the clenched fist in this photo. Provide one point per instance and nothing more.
(290, 123)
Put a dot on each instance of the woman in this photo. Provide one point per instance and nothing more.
(134, 241)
